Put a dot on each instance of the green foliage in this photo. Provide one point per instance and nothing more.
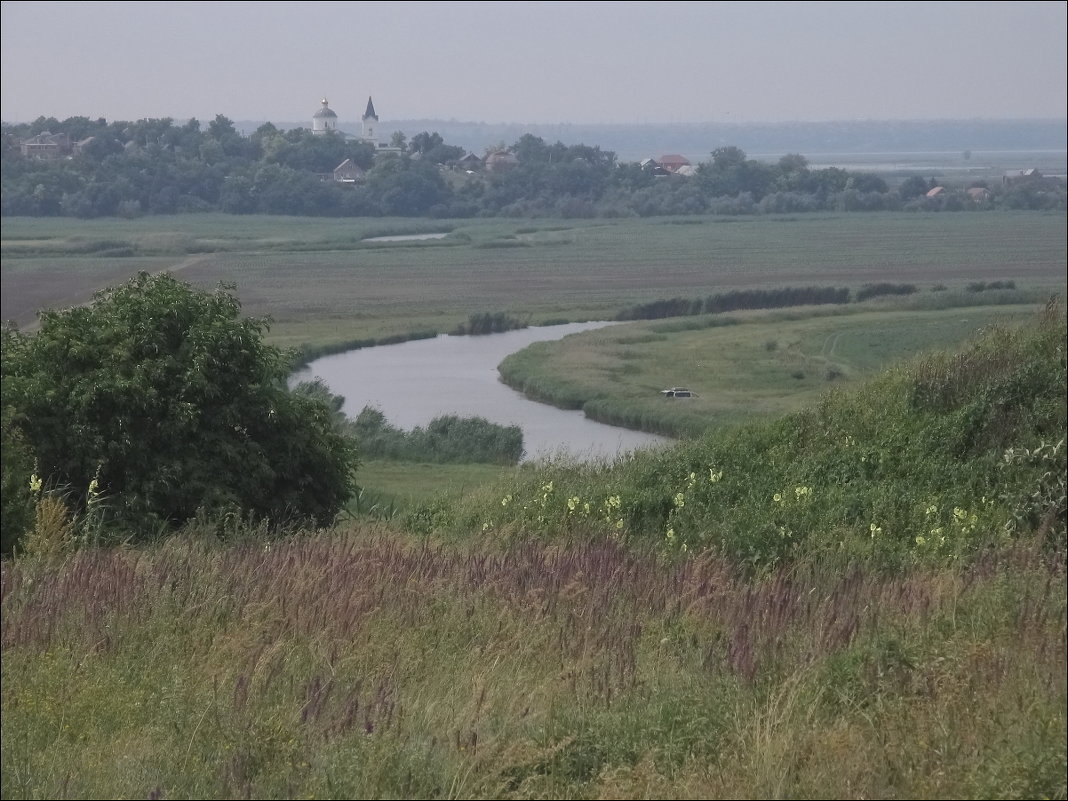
(932, 460)
(16, 470)
(362, 663)
(446, 439)
(983, 286)
(175, 403)
(153, 166)
(869, 291)
(736, 300)
(488, 323)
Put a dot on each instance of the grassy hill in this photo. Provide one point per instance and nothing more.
(864, 598)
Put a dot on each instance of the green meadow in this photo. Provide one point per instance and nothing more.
(741, 365)
(323, 284)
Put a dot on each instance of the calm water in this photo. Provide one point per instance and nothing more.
(414, 382)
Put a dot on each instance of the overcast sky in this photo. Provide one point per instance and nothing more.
(537, 62)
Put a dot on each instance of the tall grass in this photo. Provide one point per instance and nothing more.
(355, 664)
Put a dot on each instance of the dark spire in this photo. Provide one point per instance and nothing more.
(370, 109)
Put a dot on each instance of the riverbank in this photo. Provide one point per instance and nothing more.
(412, 383)
(745, 365)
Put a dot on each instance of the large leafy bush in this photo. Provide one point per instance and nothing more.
(174, 402)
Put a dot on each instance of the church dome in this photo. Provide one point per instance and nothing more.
(325, 112)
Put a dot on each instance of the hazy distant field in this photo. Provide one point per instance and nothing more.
(321, 284)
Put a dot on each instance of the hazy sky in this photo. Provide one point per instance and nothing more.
(539, 62)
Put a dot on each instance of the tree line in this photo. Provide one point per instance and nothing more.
(158, 166)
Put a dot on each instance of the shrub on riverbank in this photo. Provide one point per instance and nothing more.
(488, 323)
(445, 439)
(736, 301)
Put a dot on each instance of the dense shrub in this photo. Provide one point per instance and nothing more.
(869, 291)
(445, 439)
(736, 301)
(174, 404)
(488, 323)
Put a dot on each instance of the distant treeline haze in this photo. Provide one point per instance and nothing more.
(156, 166)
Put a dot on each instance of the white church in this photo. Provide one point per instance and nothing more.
(325, 119)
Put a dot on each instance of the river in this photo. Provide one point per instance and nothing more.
(414, 382)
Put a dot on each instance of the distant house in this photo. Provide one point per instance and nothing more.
(653, 166)
(673, 161)
(470, 162)
(936, 191)
(501, 160)
(1030, 177)
(687, 169)
(979, 194)
(348, 172)
(1017, 177)
(46, 145)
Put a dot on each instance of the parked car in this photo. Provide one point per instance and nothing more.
(678, 392)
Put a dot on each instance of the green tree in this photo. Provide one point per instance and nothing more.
(175, 402)
(16, 467)
(793, 162)
(424, 141)
(913, 186)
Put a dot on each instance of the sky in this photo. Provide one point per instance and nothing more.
(535, 62)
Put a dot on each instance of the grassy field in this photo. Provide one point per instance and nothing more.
(741, 365)
(322, 284)
(391, 487)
